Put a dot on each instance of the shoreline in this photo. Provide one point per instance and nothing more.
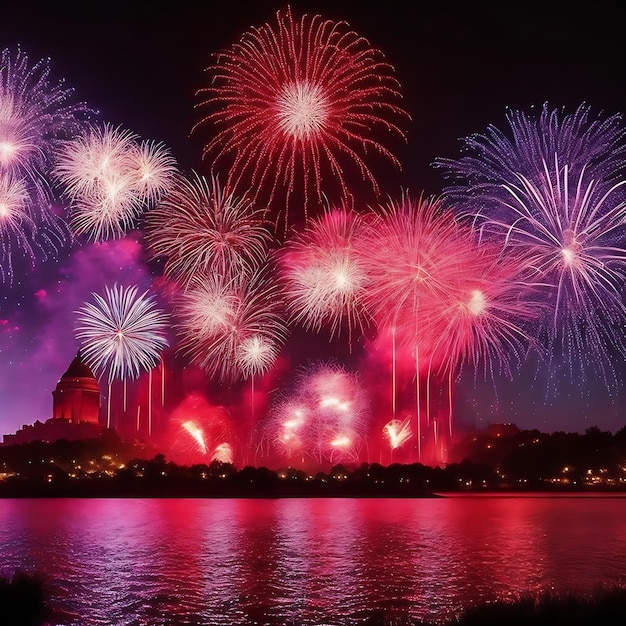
(17, 491)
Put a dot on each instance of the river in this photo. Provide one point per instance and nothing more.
(307, 561)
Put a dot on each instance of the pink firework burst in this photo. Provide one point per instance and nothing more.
(324, 273)
(288, 428)
(299, 100)
(487, 318)
(323, 418)
(415, 253)
(442, 293)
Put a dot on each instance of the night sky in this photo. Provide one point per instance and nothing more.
(460, 65)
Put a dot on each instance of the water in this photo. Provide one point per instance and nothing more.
(307, 561)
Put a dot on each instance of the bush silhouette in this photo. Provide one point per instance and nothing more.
(22, 600)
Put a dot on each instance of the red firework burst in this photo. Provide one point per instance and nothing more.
(324, 417)
(298, 101)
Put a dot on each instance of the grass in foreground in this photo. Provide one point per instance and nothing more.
(602, 607)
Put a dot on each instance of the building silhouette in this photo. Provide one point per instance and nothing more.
(75, 409)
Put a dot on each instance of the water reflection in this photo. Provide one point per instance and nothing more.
(299, 561)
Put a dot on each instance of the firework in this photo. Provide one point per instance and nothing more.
(299, 100)
(208, 307)
(440, 290)
(232, 327)
(255, 355)
(489, 315)
(37, 116)
(441, 300)
(154, 168)
(289, 429)
(201, 228)
(415, 253)
(323, 418)
(110, 178)
(198, 432)
(324, 274)
(122, 332)
(551, 194)
(17, 228)
(496, 158)
(27, 236)
(398, 432)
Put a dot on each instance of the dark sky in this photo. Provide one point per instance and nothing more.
(460, 65)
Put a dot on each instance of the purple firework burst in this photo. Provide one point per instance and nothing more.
(553, 191)
(37, 117)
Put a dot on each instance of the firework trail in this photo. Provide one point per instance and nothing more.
(122, 332)
(201, 228)
(324, 275)
(297, 101)
(110, 178)
(37, 116)
(232, 327)
(552, 194)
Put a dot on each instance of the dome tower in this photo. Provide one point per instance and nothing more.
(77, 394)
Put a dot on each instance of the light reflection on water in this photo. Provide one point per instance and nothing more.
(306, 561)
